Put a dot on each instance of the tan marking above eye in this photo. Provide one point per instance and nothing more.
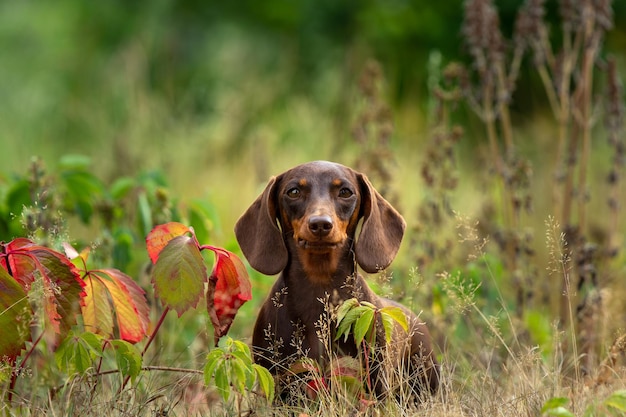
(302, 182)
(337, 182)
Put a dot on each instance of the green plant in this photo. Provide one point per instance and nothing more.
(360, 319)
(613, 405)
(60, 292)
(230, 366)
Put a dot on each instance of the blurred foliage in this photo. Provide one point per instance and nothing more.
(77, 74)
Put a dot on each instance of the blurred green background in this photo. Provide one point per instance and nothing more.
(217, 96)
(191, 86)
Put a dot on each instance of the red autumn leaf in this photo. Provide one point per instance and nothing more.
(232, 289)
(179, 274)
(110, 291)
(15, 317)
(160, 236)
(62, 287)
(314, 385)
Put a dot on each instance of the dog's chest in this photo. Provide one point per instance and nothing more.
(314, 306)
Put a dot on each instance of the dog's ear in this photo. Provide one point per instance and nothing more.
(381, 232)
(259, 237)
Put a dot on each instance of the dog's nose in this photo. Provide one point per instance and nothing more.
(320, 225)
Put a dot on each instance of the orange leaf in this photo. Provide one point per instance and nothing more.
(232, 289)
(129, 301)
(111, 291)
(160, 236)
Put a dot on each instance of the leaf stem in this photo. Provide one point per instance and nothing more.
(368, 380)
(155, 368)
(209, 247)
(156, 329)
(95, 382)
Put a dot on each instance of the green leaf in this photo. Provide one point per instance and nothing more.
(92, 342)
(221, 381)
(77, 352)
(540, 330)
(238, 372)
(145, 213)
(179, 274)
(15, 316)
(363, 324)
(388, 325)
(83, 189)
(74, 161)
(397, 315)
(122, 248)
(242, 347)
(243, 357)
(617, 401)
(390, 316)
(559, 412)
(213, 360)
(214, 355)
(202, 217)
(346, 307)
(266, 381)
(122, 187)
(18, 197)
(128, 358)
(370, 335)
(344, 326)
(554, 403)
(6, 370)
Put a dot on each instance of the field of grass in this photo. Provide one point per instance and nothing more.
(514, 252)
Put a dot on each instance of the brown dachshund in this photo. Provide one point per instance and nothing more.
(304, 226)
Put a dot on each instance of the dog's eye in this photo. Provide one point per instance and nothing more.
(293, 193)
(345, 193)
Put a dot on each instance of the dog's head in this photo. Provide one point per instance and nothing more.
(319, 205)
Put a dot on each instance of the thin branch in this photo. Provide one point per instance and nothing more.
(155, 368)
